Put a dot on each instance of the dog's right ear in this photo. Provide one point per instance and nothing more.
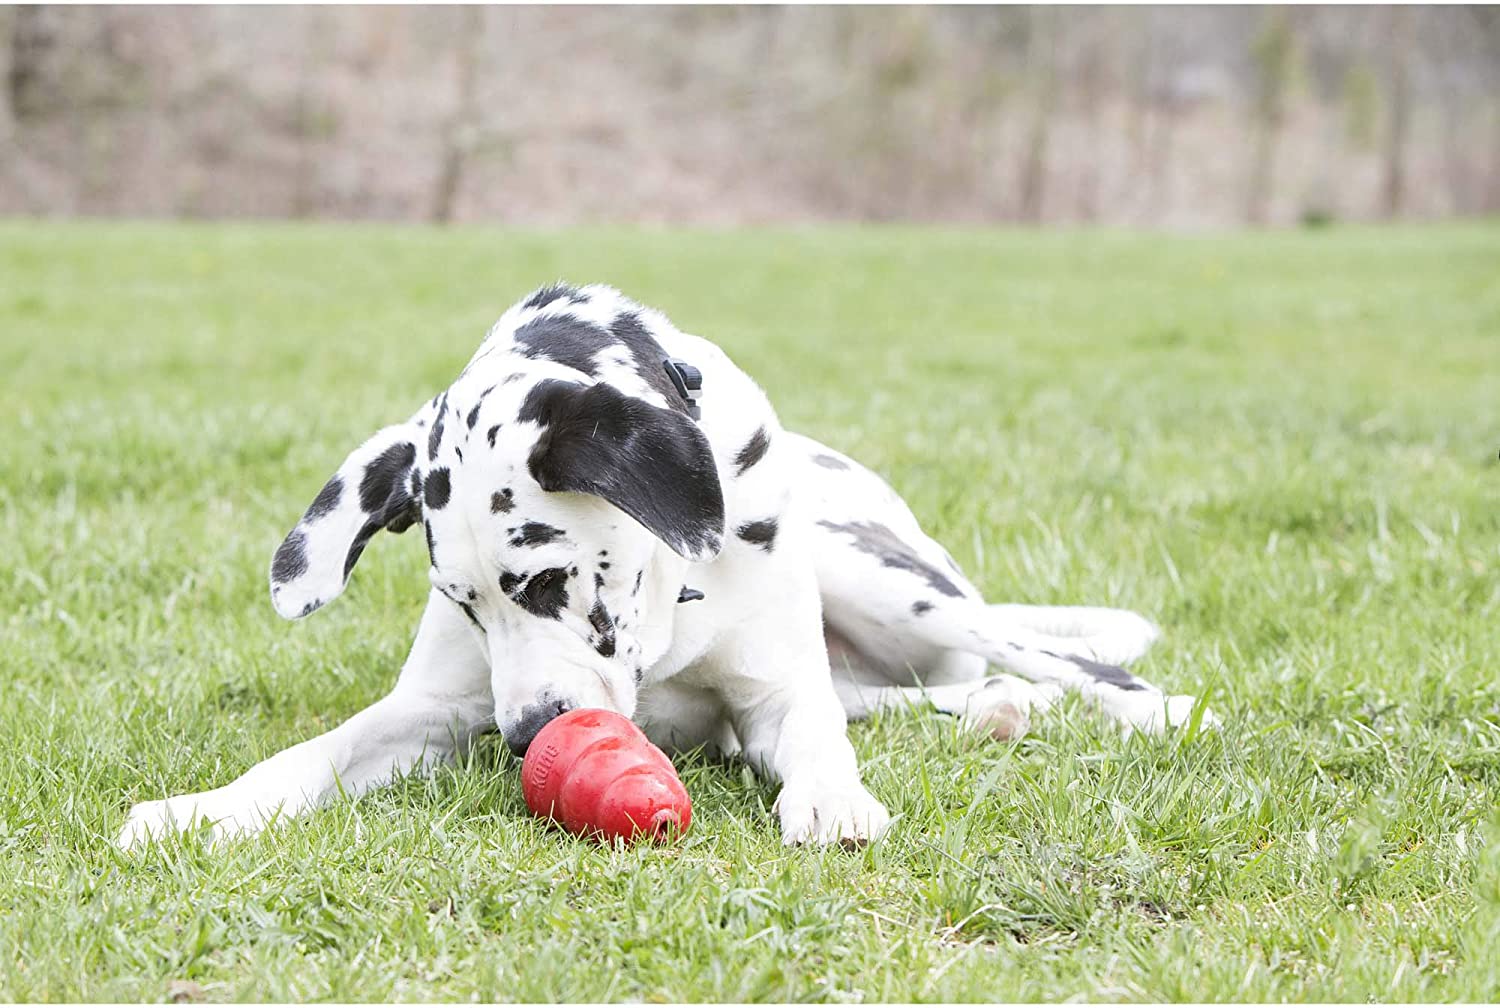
(376, 488)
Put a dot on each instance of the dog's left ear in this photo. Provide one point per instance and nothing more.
(376, 488)
(654, 464)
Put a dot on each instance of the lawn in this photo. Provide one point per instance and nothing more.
(1281, 447)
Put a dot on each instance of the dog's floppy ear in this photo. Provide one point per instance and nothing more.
(376, 488)
(654, 464)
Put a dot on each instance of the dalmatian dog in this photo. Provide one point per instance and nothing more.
(616, 519)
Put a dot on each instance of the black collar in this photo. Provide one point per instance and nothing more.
(689, 383)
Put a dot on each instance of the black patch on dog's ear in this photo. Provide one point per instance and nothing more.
(380, 476)
(290, 561)
(753, 452)
(654, 464)
(373, 490)
(759, 533)
(436, 489)
(327, 499)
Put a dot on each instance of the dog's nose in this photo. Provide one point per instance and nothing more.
(534, 718)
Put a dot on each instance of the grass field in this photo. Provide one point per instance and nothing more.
(1282, 447)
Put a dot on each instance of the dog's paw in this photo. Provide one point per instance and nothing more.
(1002, 707)
(1155, 716)
(157, 820)
(846, 814)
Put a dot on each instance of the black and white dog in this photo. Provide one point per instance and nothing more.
(615, 519)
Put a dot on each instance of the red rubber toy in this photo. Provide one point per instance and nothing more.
(598, 775)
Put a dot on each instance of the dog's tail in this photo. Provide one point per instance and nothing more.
(1115, 636)
(1074, 648)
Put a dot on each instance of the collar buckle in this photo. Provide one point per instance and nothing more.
(689, 383)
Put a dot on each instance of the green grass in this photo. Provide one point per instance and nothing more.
(1282, 447)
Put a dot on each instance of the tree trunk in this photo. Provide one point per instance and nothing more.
(460, 134)
(1273, 62)
(1041, 58)
(1393, 187)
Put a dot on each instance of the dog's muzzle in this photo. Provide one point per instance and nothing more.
(534, 718)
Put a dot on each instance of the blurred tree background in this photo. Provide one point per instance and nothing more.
(1160, 117)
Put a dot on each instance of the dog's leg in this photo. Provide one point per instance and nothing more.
(773, 675)
(1000, 705)
(441, 700)
(965, 625)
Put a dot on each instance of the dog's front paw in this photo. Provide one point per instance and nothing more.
(156, 820)
(845, 814)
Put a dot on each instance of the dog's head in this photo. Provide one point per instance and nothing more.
(545, 501)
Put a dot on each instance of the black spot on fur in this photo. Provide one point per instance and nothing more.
(759, 533)
(604, 627)
(435, 436)
(920, 606)
(829, 461)
(1099, 672)
(437, 489)
(546, 295)
(502, 501)
(290, 561)
(651, 463)
(753, 452)
(490, 435)
(382, 474)
(473, 417)
(469, 612)
(545, 594)
(604, 565)
(431, 547)
(326, 501)
(571, 342)
(637, 589)
(883, 544)
(536, 534)
(647, 356)
(508, 582)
